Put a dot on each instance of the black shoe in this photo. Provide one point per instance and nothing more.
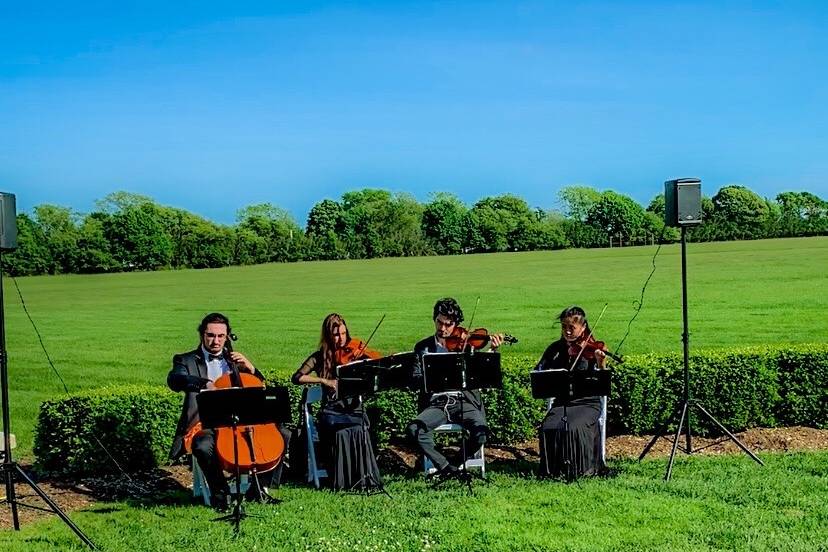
(445, 472)
(219, 503)
(252, 496)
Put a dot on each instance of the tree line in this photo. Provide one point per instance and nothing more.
(133, 232)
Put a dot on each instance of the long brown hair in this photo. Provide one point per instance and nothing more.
(326, 342)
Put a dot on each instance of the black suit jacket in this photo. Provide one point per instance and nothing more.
(429, 345)
(188, 374)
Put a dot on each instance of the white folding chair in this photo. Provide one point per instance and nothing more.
(477, 461)
(312, 394)
(201, 489)
(12, 443)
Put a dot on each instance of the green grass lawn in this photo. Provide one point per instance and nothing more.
(724, 503)
(119, 328)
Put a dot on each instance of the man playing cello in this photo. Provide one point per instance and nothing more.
(198, 370)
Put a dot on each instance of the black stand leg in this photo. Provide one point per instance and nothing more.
(238, 512)
(10, 468)
(729, 434)
(683, 407)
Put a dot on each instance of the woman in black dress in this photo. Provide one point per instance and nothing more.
(570, 435)
(345, 445)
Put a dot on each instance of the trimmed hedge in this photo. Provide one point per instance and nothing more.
(750, 387)
(135, 423)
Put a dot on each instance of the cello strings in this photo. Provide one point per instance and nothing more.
(132, 482)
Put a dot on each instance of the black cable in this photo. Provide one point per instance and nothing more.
(637, 305)
(66, 389)
(39, 337)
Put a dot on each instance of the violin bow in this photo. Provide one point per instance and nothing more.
(365, 345)
(468, 333)
(591, 331)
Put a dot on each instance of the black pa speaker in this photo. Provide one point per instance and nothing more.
(682, 202)
(8, 222)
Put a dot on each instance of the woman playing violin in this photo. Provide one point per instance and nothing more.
(572, 447)
(344, 440)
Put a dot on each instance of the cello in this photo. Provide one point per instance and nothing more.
(260, 447)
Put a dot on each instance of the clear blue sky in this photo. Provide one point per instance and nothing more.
(211, 108)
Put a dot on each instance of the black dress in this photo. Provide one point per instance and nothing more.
(570, 447)
(345, 445)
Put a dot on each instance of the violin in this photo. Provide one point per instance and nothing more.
(587, 346)
(474, 340)
(355, 349)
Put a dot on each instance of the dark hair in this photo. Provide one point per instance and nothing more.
(327, 345)
(574, 312)
(449, 308)
(214, 318)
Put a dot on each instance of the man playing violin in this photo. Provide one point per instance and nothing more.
(439, 408)
(198, 370)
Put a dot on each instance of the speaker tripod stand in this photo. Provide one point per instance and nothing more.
(11, 470)
(682, 409)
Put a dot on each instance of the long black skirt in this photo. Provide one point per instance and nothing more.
(572, 448)
(347, 450)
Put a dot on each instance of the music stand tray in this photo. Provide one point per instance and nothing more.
(251, 405)
(567, 385)
(368, 376)
(444, 372)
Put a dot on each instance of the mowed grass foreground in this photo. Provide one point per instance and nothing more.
(726, 503)
(124, 328)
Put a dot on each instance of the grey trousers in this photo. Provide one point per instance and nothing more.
(421, 429)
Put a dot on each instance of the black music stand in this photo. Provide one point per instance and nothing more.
(366, 377)
(566, 386)
(237, 406)
(458, 372)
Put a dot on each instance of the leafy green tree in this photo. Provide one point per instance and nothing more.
(94, 254)
(325, 217)
(59, 227)
(801, 213)
(657, 206)
(121, 201)
(740, 213)
(138, 239)
(577, 201)
(446, 223)
(32, 255)
(282, 238)
(379, 224)
(617, 215)
(325, 226)
(543, 231)
(497, 223)
(197, 242)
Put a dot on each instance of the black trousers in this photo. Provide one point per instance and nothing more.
(204, 450)
(444, 410)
